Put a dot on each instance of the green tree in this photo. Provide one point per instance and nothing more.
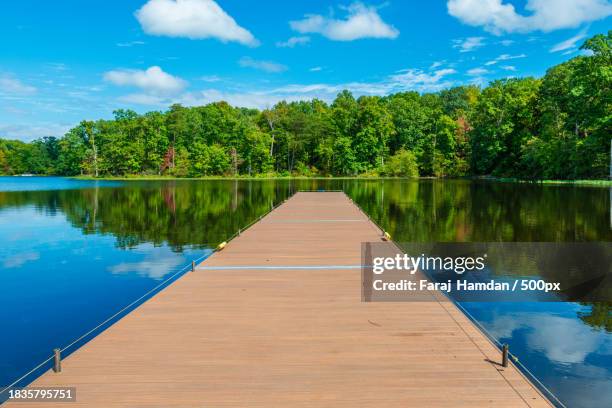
(345, 162)
(72, 153)
(4, 166)
(505, 117)
(402, 164)
(208, 160)
(374, 129)
(344, 114)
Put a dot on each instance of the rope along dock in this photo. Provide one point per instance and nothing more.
(276, 320)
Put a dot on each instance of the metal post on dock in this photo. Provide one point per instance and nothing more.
(239, 231)
(505, 355)
(57, 360)
(192, 266)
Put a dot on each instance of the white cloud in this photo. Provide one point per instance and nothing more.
(12, 85)
(361, 22)
(58, 66)
(153, 80)
(265, 98)
(17, 260)
(418, 80)
(28, 132)
(130, 43)
(154, 266)
(508, 68)
(329, 91)
(249, 99)
(315, 69)
(267, 66)
(497, 16)
(210, 78)
(293, 41)
(194, 19)
(549, 334)
(506, 43)
(404, 80)
(505, 57)
(570, 43)
(401, 81)
(468, 44)
(477, 71)
(145, 99)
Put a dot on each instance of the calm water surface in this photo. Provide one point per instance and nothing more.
(75, 252)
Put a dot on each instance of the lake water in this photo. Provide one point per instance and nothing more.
(74, 253)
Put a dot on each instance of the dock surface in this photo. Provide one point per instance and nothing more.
(276, 320)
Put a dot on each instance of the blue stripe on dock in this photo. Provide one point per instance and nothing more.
(300, 267)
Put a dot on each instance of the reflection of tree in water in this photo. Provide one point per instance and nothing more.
(204, 213)
(583, 269)
(199, 214)
(599, 315)
(186, 212)
(169, 198)
(457, 210)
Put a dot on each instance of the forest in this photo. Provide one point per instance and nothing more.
(555, 127)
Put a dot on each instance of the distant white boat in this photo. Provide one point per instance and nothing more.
(25, 175)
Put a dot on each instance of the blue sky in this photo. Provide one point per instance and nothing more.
(68, 60)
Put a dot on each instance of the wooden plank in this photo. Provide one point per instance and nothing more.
(290, 337)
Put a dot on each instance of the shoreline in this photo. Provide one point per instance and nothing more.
(578, 182)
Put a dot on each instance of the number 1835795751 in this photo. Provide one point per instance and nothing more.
(31, 394)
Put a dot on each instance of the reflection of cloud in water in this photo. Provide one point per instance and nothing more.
(596, 389)
(79, 251)
(18, 260)
(561, 339)
(155, 265)
(19, 236)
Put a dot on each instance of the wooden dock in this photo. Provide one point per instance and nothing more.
(276, 320)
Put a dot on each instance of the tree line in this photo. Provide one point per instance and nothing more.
(558, 126)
